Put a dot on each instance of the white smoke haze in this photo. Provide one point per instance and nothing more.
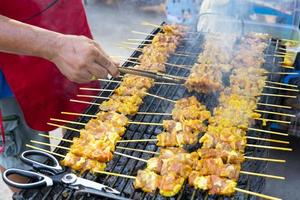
(235, 17)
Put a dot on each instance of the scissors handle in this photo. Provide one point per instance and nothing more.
(41, 180)
(54, 168)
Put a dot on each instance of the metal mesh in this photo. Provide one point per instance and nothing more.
(129, 166)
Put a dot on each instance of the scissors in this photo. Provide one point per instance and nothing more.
(55, 175)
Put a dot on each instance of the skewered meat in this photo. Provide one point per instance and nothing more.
(236, 143)
(166, 139)
(152, 67)
(190, 126)
(204, 79)
(102, 130)
(170, 184)
(180, 168)
(215, 166)
(113, 117)
(233, 157)
(139, 82)
(154, 164)
(176, 158)
(82, 164)
(214, 184)
(147, 180)
(93, 149)
(189, 109)
(126, 91)
(127, 105)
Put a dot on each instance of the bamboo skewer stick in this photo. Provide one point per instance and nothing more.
(138, 140)
(280, 88)
(256, 194)
(159, 97)
(64, 127)
(125, 44)
(287, 67)
(137, 150)
(168, 64)
(99, 97)
(44, 150)
(55, 137)
(278, 95)
(274, 105)
(283, 73)
(153, 113)
(283, 84)
(85, 102)
(265, 159)
(275, 113)
(133, 43)
(150, 24)
(272, 120)
(144, 160)
(282, 55)
(78, 114)
(67, 121)
(288, 40)
(92, 96)
(263, 175)
(267, 131)
(138, 113)
(139, 40)
(83, 124)
(141, 50)
(142, 33)
(268, 140)
(50, 145)
(149, 34)
(114, 174)
(132, 157)
(152, 152)
(158, 83)
(269, 147)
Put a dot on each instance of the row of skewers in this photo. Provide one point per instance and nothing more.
(227, 127)
(97, 141)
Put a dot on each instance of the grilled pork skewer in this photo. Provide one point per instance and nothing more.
(151, 180)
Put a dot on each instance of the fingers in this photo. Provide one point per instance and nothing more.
(108, 64)
(105, 61)
(97, 70)
(84, 77)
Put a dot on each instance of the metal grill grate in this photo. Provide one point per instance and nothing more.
(129, 166)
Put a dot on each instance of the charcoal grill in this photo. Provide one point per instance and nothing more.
(129, 166)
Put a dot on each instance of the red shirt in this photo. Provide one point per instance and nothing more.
(41, 90)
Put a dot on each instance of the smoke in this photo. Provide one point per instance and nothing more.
(241, 17)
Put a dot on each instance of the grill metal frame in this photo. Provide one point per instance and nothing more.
(130, 167)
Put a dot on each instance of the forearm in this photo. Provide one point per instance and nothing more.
(20, 38)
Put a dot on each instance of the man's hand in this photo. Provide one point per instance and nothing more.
(81, 59)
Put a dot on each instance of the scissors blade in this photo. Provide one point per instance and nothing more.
(93, 185)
